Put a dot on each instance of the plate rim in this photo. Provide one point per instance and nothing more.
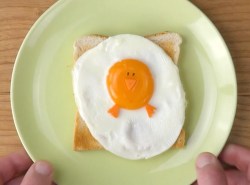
(58, 3)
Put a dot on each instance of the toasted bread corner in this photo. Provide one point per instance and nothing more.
(83, 140)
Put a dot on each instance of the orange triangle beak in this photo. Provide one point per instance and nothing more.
(130, 83)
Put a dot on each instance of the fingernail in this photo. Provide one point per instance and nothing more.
(43, 168)
(205, 159)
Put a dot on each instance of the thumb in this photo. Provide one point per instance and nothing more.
(209, 170)
(40, 173)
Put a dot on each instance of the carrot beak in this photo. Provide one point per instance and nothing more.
(130, 83)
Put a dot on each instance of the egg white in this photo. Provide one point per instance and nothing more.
(133, 135)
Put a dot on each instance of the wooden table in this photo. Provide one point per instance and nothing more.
(231, 17)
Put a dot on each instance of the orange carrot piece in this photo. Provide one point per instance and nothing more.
(114, 111)
(150, 110)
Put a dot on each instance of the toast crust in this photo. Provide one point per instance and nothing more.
(169, 42)
(83, 140)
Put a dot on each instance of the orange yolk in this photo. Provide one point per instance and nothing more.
(130, 84)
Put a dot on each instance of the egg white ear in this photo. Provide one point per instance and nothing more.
(85, 43)
(169, 42)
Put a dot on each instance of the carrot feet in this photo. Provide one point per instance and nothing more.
(114, 111)
(150, 110)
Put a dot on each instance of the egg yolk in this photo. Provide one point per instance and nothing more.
(130, 84)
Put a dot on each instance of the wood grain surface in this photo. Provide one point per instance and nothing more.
(231, 17)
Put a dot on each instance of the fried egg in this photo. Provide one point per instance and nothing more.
(128, 91)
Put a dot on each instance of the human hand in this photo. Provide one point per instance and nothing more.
(14, 166)
(210, 170)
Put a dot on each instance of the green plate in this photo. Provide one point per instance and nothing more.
(43, 103)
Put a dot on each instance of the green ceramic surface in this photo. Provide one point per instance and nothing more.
(43, 103)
